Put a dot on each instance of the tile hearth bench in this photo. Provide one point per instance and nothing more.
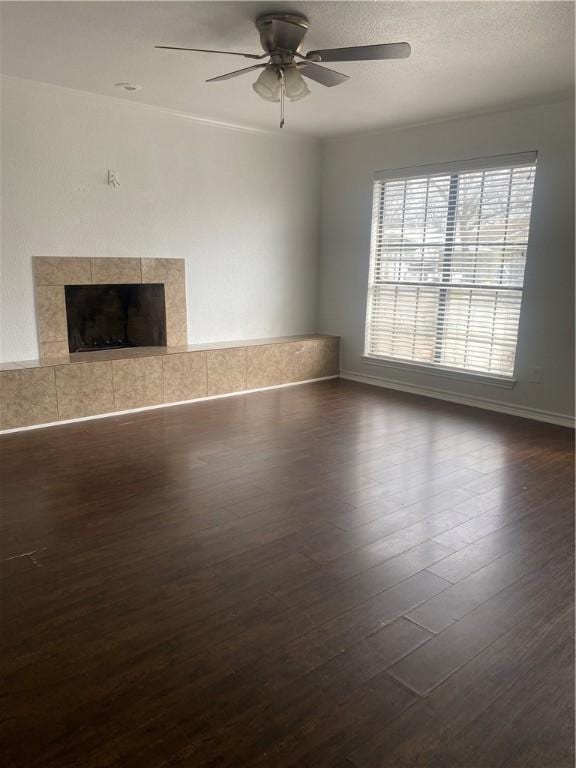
(35, 392)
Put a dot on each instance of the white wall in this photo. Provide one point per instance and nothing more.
(240, 206)
(546, 335)
(243, 208)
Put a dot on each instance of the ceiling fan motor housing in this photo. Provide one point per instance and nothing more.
(281, 35)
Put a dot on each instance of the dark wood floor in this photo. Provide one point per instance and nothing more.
(326, 575)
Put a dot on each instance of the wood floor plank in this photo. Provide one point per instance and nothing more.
(520, 533)
(519, 507)
(362, 514)
(465, 595)
(427, 667)
(330, 575)
(362, 558)
(343, 595)
(436, 730)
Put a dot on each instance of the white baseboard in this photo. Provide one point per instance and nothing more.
(158, 407)
(475, 402)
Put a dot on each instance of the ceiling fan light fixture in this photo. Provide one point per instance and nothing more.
(269, 84)
(281, 37)
(295, 86)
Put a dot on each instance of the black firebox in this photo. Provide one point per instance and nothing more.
(115, 316)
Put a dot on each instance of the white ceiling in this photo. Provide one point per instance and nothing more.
(466, 57)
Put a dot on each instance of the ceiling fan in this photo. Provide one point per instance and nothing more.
(281, 36)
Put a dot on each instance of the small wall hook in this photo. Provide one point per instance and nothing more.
(113, 179)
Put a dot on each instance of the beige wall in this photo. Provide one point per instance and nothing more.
(546, 336)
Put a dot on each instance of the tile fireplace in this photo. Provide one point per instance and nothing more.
(114, 316)
(89, 304)
(64, 386)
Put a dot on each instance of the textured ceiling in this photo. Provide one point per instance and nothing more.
(466, 57)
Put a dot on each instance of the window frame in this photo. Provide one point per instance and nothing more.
(452, 169)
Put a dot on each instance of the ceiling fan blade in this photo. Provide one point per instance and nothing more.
(362, 53)
(322, 75)
(206, 50)
(235, 73)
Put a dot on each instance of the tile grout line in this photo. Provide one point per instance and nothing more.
(113, 383)
(56, 392)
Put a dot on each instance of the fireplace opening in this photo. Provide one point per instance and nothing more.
(115, 316)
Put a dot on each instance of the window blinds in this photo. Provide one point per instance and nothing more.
(447, 265)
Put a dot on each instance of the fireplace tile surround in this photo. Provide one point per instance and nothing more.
(226, 371)
(28, 396)
(84, 390)
(87, 384)
(60, 386)
(185, 376)
(111, 270)
(52, 273)
(264, 366)
(138, 382)
(51, 313)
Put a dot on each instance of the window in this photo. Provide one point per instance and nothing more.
(447, 264)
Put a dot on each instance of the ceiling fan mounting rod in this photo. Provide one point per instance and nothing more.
(280, 57)
(282, 93)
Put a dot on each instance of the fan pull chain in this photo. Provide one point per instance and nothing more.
(282, 98)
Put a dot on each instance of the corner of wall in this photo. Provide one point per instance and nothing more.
(320, 249)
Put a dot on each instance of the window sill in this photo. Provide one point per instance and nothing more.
(449, 373)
